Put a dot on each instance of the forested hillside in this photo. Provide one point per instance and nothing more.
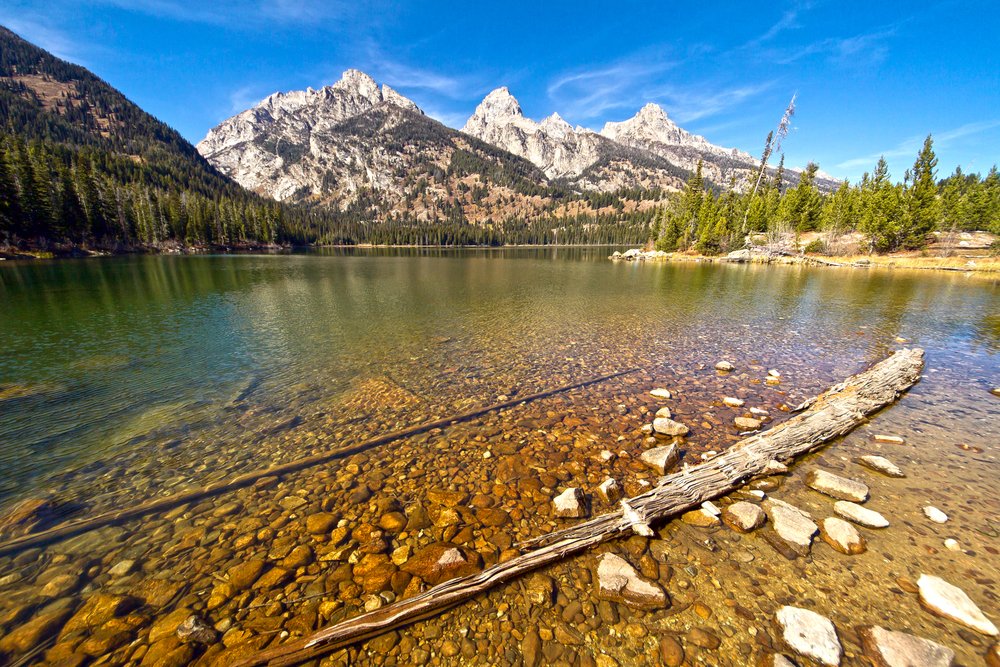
(82, 165)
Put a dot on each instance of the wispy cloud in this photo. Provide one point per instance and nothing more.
(238, 13)
(587, 94)
(694, 103)
(400, 75)
(867, 48)
(788, 21)
(910, 146)
(39, 31)
(245, 97)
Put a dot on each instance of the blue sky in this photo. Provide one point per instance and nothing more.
(871, 78)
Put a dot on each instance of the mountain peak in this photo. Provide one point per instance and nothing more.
(555, 125)
(653, 111)
(501, 103)
(499, 108)
(650, 124)
(359, 83)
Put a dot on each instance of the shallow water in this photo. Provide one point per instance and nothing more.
(128, 378)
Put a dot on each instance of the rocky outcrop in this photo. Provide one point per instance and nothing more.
(285, 142)
(552, 145)
(653, 131)
(587, 159)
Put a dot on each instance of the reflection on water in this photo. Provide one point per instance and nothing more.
(99, 354)
(126, 378)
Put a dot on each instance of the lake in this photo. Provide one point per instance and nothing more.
(128, 378)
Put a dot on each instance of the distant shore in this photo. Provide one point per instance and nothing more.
(68, 252)
(890, 261)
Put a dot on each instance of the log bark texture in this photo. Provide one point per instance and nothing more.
(832, 414)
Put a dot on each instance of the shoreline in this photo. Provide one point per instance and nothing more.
(980, 265)
(984, 265)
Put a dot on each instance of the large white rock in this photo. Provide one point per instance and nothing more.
(935, 515)
(837, 486)
(859, 515)
(618, 581)
(570, 503)
(792, 524)
(810, 634)
(899, 649)
(842, 536)
(661, 459)
(733, 402)
(743, 517)
(951, 602)
(747, 423)
(660, 392)
(667, 426)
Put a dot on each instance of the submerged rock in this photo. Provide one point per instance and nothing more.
(618, 581)
(950, 601)
(442, 561)
(881, 464)
(195, 630)
(842, 536)
(775, 468)
(610, 491)
(539, 590)
(747, 423)
(935, 515)
(793, 525)
(661, 459)
(23, 517)
(571, 503)
(724, 366)
(837, 486)
(659, 392)
(663, 413)
(859, 515)
(889, 439)
(743, 517)
(887, 648)
(810, 634)
(701, 518)
(733, 402)
(667, 426)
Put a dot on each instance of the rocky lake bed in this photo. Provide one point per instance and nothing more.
(882, 548)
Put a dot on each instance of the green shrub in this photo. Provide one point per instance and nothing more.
(816, 246)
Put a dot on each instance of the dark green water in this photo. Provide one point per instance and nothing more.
(104, 358)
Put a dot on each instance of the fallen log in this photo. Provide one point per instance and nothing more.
(834, 413)
(76, 527)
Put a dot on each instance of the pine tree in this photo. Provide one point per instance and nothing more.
(10, 207)
(923, 208)
(72, 219)
(881, 210)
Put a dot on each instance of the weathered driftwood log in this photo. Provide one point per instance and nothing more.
(834, 413)
(75, 527)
